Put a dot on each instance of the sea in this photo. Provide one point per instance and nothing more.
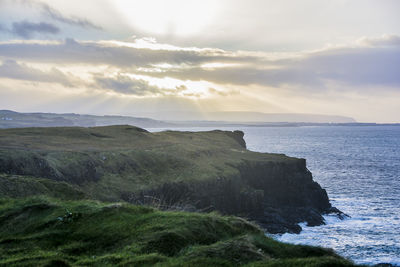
(359, 166)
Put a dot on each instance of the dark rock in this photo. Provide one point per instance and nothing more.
(341, 215)
(238, 136)
(278, 196)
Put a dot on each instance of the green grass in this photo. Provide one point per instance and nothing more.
(48, 232)
(17, 186)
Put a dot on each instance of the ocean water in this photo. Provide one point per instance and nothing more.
(359, 167)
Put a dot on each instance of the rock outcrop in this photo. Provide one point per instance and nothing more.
(276, 195)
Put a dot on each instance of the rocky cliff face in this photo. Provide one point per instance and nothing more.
(290, 195)
(171, 170)
(277, 196)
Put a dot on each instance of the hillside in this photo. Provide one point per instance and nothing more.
(48, 232)
(12, 119)
(200, 171)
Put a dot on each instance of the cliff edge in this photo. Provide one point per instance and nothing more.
(190, 171)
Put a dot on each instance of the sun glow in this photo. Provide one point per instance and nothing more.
(173, 17)
(170, 86)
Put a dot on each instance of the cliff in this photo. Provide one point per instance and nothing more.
(192, 171)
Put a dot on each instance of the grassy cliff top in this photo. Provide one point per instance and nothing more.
(122, 137)
(49, 232)
(106, 161)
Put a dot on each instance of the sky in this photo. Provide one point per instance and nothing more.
(156, 57)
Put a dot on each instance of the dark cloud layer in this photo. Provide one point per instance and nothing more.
(126, 85)
(355, 66)
(58, 16)
(120, 83)
(130, 86)
(51, 14)
(26, 29)
(73, 52)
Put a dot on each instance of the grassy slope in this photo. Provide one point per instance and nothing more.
(17, 186)
(42, 231)
(107, 160)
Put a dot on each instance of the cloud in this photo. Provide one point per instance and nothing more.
(384, 40)
(119, 83)
(74, 52)
(12, 70)
(373, 62)
(126, 85)
(361, 66)
(49, 13)
(356, 66)
(57, 16)
(223, 93)
(26, 29)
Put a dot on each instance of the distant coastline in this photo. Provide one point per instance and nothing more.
(13, 119)
(274, 124)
